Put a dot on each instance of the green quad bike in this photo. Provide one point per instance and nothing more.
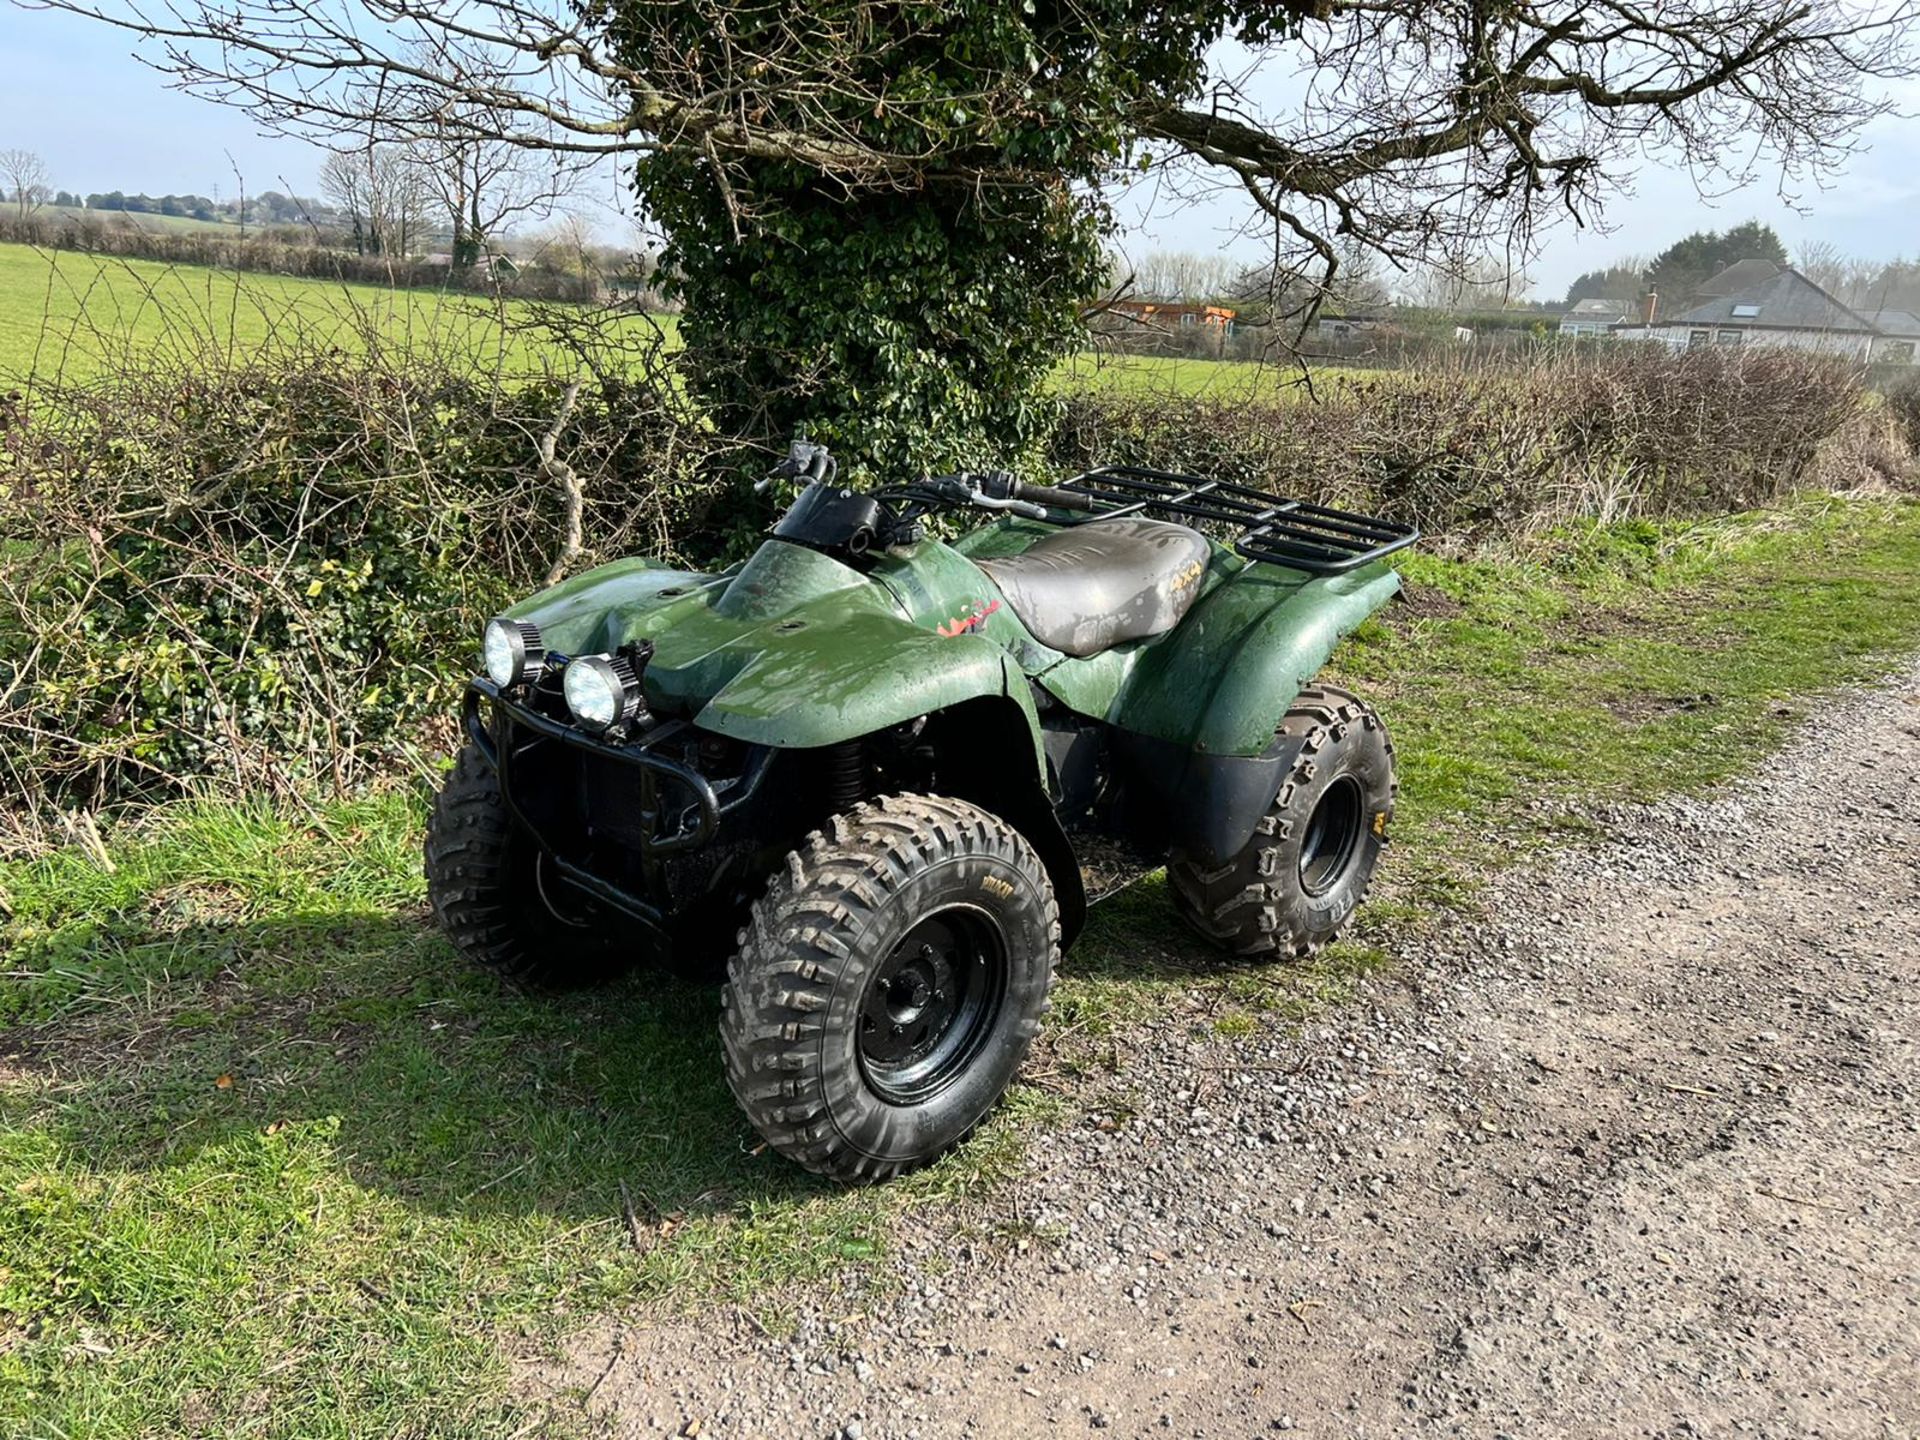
(874, 763)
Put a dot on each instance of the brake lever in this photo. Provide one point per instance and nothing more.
(785, 470)
(1016, 507)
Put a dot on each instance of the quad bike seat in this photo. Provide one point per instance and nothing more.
(1085, 589)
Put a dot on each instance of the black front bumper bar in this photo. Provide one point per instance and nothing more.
(695, 820)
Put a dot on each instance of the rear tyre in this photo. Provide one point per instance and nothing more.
(496, 899)
(888, 985)
(1313, 854)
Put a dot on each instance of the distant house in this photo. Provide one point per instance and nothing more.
(1899, 339)
(1594, 318)
(493, 267)
(1757, 302)
(1169, 316)
(1345, 327)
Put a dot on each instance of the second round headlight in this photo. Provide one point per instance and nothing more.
(602, 691)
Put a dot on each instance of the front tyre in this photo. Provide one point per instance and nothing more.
(491, 892)
(1312, 856)
(888, 985)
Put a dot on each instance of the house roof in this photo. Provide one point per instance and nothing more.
(1172, 307)
(1597, 309)
(1737, 276)
(1895, 322)
(1784, 300)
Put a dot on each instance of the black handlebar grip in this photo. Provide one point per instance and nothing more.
(1054, 497)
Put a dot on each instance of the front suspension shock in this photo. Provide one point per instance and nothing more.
(846, 775)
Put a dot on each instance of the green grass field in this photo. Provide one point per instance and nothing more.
(273, 1164)
(1175, 375)
(68, 315)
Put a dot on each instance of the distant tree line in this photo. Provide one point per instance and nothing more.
(1680, 269)
(1863, 285)
(560, 265)
(268, 208)
(454, 188)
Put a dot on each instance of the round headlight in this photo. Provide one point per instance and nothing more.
(511, 649)
(602, 691)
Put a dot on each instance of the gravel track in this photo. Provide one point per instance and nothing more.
(1635, 1152)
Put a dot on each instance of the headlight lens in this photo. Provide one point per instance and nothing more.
(510, 650)
(602, 691)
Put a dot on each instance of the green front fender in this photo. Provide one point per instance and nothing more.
(793, 649)
(1220, 684)
(862, 673)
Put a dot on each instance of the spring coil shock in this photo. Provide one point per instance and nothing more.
(846, 775)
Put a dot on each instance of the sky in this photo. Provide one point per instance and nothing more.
(1871, 209)
(74, 93)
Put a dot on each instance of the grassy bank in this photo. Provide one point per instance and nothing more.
(271, 1163)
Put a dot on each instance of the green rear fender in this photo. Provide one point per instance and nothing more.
(1220, 684)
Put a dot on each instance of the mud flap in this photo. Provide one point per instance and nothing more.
(1204, 805)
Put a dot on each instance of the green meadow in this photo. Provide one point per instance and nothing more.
(67, 315)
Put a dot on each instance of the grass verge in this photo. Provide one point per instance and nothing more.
(272, 1164)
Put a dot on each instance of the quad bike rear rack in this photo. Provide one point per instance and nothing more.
(1272, 528)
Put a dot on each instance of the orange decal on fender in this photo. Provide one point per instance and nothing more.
(961, 624)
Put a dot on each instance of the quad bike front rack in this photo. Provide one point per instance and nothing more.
(1272, 528)
(667, 827)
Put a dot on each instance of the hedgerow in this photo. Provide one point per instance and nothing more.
(1474, 452)
(272, 575)
(1903, 403)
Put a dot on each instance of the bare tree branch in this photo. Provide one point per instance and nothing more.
(1429, 133)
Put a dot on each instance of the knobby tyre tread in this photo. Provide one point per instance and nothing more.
(818, 931)
(1251, 905)
(481, 883)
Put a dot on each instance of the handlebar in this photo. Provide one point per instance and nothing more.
(1016, 507)
(989, 492)
(811, 464)
(805, 462)
(999, 490)
(1053, 497)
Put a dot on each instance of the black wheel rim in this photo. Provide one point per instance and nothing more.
(931, 1004)
(1333, 834)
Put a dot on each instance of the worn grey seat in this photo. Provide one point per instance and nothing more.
(1090, 587)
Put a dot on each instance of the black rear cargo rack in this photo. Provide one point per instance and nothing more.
(1294, 533)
